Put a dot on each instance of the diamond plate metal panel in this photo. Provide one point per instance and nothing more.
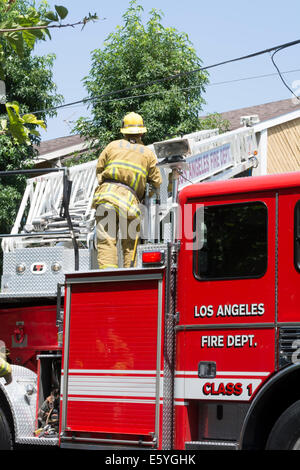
(23, 406)
(169, 350)
(40, 283)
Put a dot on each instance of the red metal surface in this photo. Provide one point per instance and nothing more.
(240, 185)
(244, 367)
(288, 276)
(112, 358)
(28, 330)
(185, 423)
(194, 293)
(242, 345)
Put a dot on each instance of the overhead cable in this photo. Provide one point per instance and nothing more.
(161, 92)
(280, 73)
(274, 49)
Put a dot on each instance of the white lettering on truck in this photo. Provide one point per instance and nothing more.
(235, 310)
(231, 341)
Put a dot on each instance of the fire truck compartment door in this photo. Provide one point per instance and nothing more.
(111, 383)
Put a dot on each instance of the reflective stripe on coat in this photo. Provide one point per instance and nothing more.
(5, 368)
(131, 164)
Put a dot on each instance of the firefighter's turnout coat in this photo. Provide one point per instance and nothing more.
(5, 368)
(123, 169)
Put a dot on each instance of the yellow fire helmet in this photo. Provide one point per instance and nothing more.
(133, 124)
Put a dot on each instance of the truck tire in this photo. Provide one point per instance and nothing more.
(5, 433)
(285, 434)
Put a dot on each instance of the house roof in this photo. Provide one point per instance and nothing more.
(64, 146)
(58, 149)
(264, 111)
(53, 145)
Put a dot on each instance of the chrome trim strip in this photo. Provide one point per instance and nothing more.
(158, 357)
(224, 326)
(64, 390)
(276, 345)
(129, 277)
(109, 441)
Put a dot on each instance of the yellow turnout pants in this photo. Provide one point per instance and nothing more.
(109, 226)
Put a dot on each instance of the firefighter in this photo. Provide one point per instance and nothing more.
(5, 370)
(123, 169)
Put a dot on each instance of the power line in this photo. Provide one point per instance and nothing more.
(280, 73)
(252, 78)
(144, 95)
(274, 49)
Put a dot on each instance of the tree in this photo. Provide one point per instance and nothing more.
(131, 74)
(29, 85)
(215, 121)
(29, 81)
(21, 26)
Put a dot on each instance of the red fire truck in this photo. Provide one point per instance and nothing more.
(195, 348)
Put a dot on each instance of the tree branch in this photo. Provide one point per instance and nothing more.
(29, 28)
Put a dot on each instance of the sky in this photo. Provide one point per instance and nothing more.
(218, 30)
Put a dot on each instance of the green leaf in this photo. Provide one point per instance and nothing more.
(89, 18)
(34, 132)
(50, 15)
(47, 33)
(62, 11)
(32, 119)
(15, 39)
(17, 124)
(38, 33)
(29, 38)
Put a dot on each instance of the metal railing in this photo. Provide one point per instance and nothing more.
(64, 212)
